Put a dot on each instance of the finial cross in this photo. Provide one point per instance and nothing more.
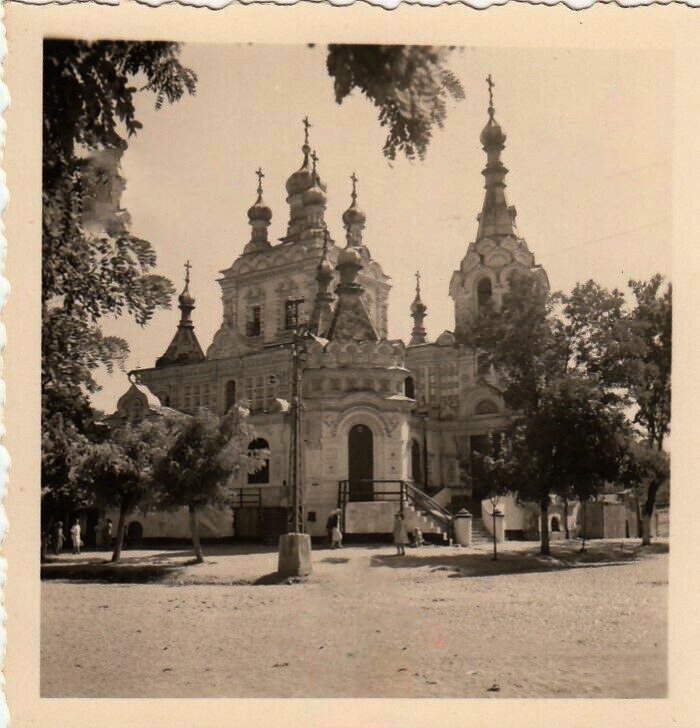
(187, 273)
(307, 126)
(260, 175)
(354, 179)
(491, 84)
(417, 274)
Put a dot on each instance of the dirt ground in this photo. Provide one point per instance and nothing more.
(438, 622)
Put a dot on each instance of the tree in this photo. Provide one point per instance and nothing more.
(410, 85)
(565, 436)
(88, 106)
(630, 350)
(492, 474)
(203, 453)
(647, 471)
(118, 472)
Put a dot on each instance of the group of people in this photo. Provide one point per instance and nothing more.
(402, 536)
(57, 537)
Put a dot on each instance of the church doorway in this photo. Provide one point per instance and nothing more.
(361, 463)
(416, 463)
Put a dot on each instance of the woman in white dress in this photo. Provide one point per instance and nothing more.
(75, 536)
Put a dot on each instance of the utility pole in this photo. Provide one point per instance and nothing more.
(295, 511)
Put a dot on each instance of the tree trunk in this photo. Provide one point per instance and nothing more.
(194, 531)
(566, 519)
(648, 512)
(495, 549)
(119, 541)
(583, 528)
(544, 527)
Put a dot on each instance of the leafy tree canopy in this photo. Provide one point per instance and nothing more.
(410, 85)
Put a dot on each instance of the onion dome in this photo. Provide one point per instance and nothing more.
(324, 270)
(303, 178)
(316, 194)
(492, 134)
(349, 256)
(353, 215)
(186, 299)
(259, 212)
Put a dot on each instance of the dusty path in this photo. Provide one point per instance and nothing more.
(366, 625)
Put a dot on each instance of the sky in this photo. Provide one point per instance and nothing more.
(589, 149)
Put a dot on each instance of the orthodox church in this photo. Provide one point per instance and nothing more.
(382, 424)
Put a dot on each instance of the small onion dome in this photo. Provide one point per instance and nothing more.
(315, 195)
(418, 306)
(492, 135)
(324, 271)
(349, 256)
(259, 211)
(353, 215)
(304, 178)
(186, 298)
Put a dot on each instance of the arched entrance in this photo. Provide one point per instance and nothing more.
(361, 463)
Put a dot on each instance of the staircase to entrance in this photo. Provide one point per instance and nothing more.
(369, 506)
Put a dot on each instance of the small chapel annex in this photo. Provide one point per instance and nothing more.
(384, 423)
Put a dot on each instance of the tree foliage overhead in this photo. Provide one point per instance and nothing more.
(410, 85)
(88, 106)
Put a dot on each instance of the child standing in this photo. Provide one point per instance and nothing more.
(400, 534)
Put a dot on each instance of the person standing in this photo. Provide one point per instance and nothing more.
(400, 534)
(58, 538)
(75, 537)
(336, 533)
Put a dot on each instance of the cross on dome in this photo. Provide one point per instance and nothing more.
(188, 267)
(417, 274)
(490, 84)
(354, 179)
(260, 175)
(307, 126)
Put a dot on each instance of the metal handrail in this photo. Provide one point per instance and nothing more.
(406, 493)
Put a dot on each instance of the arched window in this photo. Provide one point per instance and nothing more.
(486, 407)
(409, 387)
(262, 476)
(483, 292)
(230, 394)
(555, 524)
(483, 366)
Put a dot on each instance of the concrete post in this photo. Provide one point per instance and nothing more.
(294, 555)
(463, 527)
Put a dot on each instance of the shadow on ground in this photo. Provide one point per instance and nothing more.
(525, 561)
(108, 573)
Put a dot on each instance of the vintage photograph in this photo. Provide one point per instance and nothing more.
(355, 371)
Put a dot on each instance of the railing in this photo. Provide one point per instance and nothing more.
(246, 498)
(430, 507)
(394, 490)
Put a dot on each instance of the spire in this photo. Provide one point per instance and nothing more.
(418, 311)
(259, 216)
(496, 217)
(354, 218)
(184, 348)
(351, 320)
(320, 318)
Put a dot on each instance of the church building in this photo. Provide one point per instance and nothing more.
(383, 424)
